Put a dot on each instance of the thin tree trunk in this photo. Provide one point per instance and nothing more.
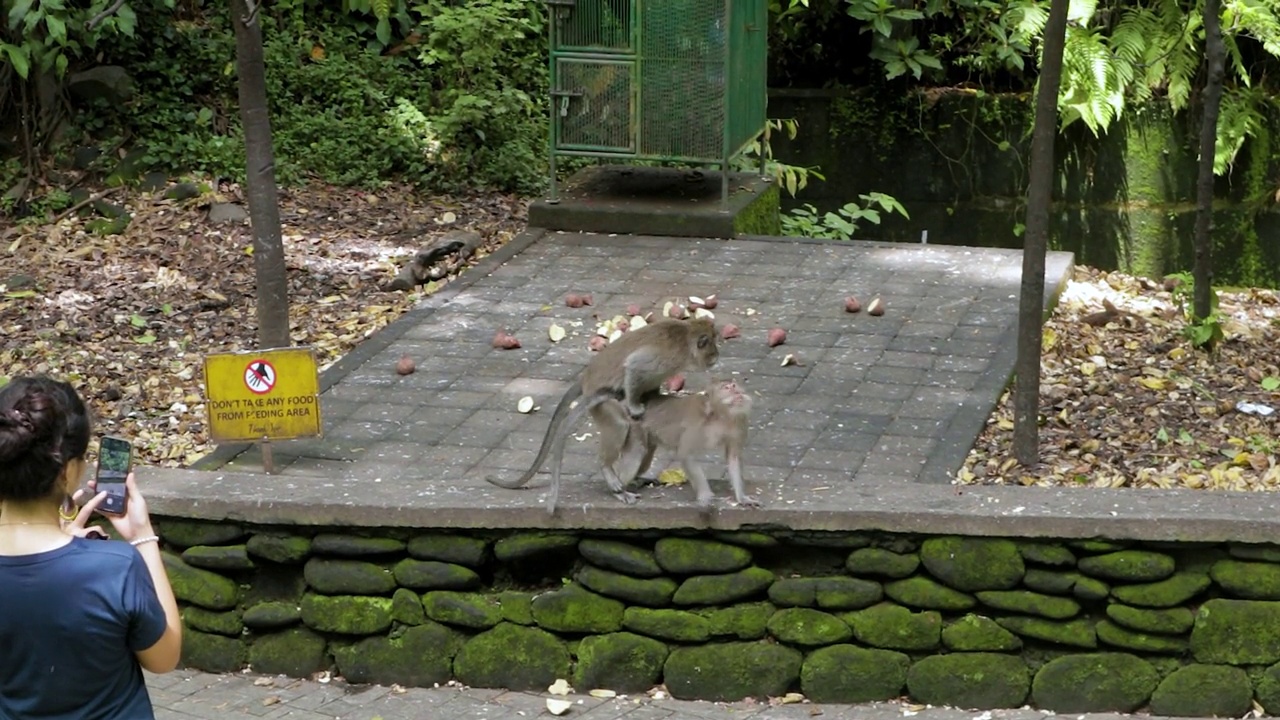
(1026, 398)
(260, 176)
(1216, 54)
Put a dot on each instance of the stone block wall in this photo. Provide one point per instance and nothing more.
(1066, 626)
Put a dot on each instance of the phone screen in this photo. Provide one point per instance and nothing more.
(115, 456)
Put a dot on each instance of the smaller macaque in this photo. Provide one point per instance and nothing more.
(689, 425)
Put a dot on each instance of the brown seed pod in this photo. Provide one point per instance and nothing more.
(710, 302)
(505, 341)
(730, 331)
(574, 300)
(876, 307)
(405, 365)
(597, 343)
(633, 309)
(776, 337)
(851, 304)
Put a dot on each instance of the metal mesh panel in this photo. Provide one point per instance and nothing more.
(597, 114)
(599, 25)
(682, 79)
(748, 48)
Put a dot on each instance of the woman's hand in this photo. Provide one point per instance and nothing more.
(136, 521)
(79, 526)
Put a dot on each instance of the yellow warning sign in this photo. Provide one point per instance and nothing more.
(267, 394)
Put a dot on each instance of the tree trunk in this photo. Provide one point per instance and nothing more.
(260, 176)
(1215, 53)
(1026, 398)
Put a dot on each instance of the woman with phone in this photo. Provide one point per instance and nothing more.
(79, 618)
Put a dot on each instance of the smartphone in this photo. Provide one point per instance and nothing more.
(115, 458)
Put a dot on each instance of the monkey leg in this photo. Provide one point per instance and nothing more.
(698, 479)
(735, 480)
(619, 449)
(640, 375)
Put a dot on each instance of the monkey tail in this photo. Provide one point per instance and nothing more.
(562, 419)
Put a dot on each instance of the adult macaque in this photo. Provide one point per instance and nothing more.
(623, 373)
(687, 425)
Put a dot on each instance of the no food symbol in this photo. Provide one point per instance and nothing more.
(259, 377)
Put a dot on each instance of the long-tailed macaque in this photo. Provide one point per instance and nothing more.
(687, 425)
(625, 372)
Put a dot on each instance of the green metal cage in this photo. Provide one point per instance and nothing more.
(657, 80)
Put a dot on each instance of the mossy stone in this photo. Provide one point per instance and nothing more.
(189, 533)
(406, 607)
(464, 609)
(893, 627)
(1172, 621)
(347, 577)
(1247, 580)
(723, 589)
(517, 607)
(1090, 589)
(513, 657)
(1027, 602)
(882, 563)
(218, 557)
(746, 538)
(421, 656)
(622, 662)
(1204, 691)
(832, 593)
(745, 621)
(200, 587)
(434, 575)
(695, 556)
(620, 557)
(1096, 546)
(1170, 592)
(1074, 633)
(1052, 582)
(923, 592)
(223, 623)
(652, 592)
(805, 626)
(457, 549)
(850, 674)
(1117, 636)
(518, 547)
(1237, 632)
(677, 625)
(1267, 689)
(1133, 566)
(1049, 554)
(354, 545)
(575, 609)
(976, 633)
(1261, 553)
(212, 653)
(727, 672)
(296, 653)
(1094, 683)
(272, 614)
(283, 549)
(979, 681)
(970, 564)
(346, 614)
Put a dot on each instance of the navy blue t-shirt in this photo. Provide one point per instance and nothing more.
(70, 622)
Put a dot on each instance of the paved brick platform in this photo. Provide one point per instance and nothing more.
(874, 401)
(186, 694)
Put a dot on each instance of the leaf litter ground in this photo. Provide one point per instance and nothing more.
(1127, 401)
(128, 318)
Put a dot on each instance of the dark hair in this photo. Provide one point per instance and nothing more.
(43, 426)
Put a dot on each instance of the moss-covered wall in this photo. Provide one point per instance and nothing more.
(957, 161)
(1072, 626)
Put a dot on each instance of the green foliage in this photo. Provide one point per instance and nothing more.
(805, 221)
(1205, 332)
(48, 35)
(792, 178)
